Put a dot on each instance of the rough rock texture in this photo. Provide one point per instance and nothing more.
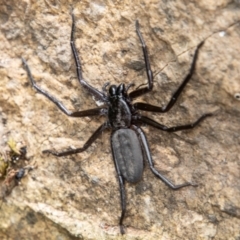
(77, 197)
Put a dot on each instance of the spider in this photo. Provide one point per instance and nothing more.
(128, 141)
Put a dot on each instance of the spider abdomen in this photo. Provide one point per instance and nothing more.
(128, 155)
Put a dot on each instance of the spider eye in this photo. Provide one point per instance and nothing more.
(113, 90)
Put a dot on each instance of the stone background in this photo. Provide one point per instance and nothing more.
(77, 197)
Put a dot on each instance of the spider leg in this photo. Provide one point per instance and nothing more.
(123, 202)
(96, 93)
(147, 152)
(151, 122)
(141, 91)
(89, 112)
(122, 194)
(152, 108)
(94, 136)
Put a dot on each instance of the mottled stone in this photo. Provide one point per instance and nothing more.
(77, 197)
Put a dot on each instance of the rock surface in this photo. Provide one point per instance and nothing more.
(77, 197)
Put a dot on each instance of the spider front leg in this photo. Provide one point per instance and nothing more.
(141, 91)
(85, 113)
(96, 93)
(152, 108)
(89, 142)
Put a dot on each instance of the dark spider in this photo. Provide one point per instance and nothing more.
(128, 141)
